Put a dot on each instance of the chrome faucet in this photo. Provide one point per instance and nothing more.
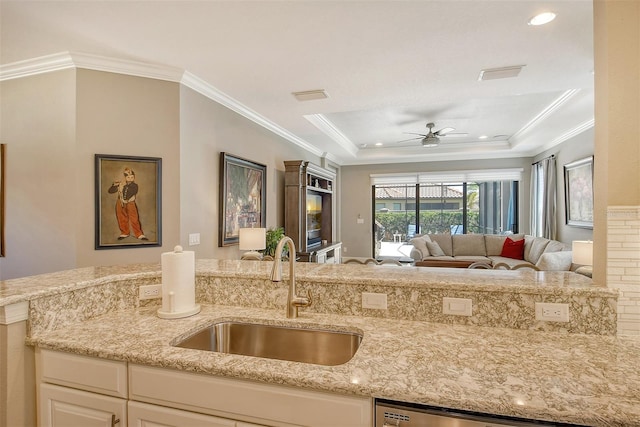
(293, 301)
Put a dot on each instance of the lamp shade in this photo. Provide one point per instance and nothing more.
(252, 239)
(582, 252)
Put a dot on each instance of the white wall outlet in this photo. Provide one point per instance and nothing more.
(552, 312)
(194, 239)
(457, 306)
(150, 291)
(373, 300)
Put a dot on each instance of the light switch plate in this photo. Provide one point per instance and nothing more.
(194, 239)
(457, 306)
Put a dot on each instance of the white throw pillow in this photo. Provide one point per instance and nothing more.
(435, 249)
(420, 244)
(555, 261)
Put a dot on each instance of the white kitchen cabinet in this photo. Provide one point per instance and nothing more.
(145, 415)
(268, 404)
(84, 391)
(67, 407)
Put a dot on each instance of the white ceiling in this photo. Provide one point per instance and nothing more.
(389, 67)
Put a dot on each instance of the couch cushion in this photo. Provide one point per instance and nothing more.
(435, 249)
(444, 241)
(468, 244)
(513, 248)
(419, 242)
(494, 243)
(555, 261)
(554, 246)
(534, 247)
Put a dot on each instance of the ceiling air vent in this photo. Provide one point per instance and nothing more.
(500, 73)
(309, 95)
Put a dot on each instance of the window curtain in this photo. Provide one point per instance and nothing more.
(543, 194)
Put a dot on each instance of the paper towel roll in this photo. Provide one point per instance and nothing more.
(178, 284)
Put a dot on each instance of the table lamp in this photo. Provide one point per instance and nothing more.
(582, 254)
(252, 240)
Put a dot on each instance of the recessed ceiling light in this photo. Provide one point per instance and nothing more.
(542, 18)
(379, 144)
(483, 137)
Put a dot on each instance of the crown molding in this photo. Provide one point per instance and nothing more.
(321, 122)
(557, 103)
(196, 83)
(34, 66)
(69, 60)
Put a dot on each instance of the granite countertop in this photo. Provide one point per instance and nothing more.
(572, 378)
(553, 282)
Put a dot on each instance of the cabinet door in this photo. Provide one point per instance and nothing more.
(321, 257)
(66, 407)
(146, 415)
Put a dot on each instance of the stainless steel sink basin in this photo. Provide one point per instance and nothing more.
(320, 347)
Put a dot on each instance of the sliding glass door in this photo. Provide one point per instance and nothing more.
(487, 207)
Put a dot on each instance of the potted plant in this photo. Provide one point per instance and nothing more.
(274, 235)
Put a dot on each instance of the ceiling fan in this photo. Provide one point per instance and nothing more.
(430, 139)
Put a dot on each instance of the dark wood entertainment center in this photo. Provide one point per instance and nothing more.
(308, 214)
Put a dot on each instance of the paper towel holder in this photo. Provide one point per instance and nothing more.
(168, 309)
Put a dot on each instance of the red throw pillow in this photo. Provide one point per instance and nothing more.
(513, 249)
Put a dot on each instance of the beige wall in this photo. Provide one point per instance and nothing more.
(208, 128)
(41, 201)
(129, 116)
(55, 123)
(617, 171)
(355, 197)
(576, 148)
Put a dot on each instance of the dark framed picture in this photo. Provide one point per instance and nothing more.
(128, 201)
(578, 181)
(242, 197)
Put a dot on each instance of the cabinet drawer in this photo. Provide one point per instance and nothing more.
(86, 373)
(247, 400)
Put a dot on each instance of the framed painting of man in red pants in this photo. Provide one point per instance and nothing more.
(128, 201)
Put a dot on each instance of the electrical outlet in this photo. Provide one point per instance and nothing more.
(457, 306)
(375, 301)
(552, 312)
(150, 291)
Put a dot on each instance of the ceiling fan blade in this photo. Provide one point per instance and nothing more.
(444, 131)
(413, 133)
(455, 135)
(410, 139)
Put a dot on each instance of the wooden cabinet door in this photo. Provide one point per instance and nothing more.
(66, 407)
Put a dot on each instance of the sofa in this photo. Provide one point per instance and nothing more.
(508, 251)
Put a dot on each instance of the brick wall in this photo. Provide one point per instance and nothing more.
(623, 264)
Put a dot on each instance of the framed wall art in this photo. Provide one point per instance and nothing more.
(242, 197)
(128, 198)
(578, 181)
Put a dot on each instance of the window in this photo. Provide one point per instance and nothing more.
(480, 206)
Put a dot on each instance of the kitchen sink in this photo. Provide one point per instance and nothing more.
(317, 346)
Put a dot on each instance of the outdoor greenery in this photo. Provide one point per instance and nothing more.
(431, 222)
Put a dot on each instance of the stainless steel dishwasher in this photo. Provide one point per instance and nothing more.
(400, 414)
